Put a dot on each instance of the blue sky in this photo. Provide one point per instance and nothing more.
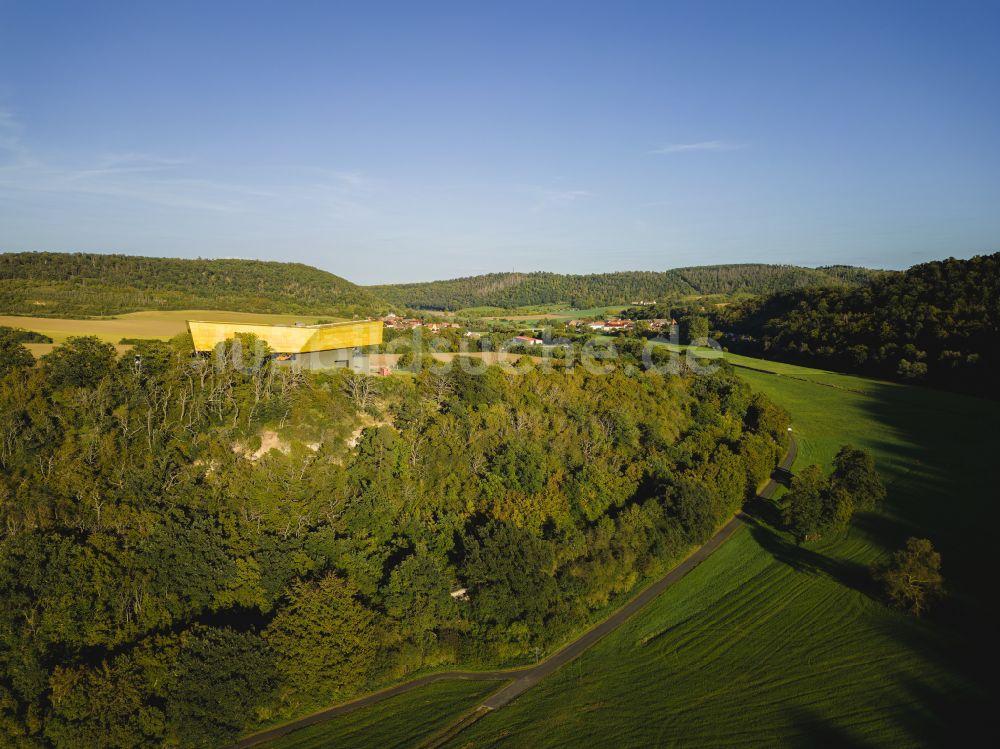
(409, 141)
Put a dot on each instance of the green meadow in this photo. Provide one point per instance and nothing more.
(531, 315)
(402, 721)
(769, 643)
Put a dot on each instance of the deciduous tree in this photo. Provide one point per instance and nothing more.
(912, 577)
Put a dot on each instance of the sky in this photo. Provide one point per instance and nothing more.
(393, 142)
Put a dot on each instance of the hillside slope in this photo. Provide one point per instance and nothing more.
(598, 289)
(78, 284)
(937, 323)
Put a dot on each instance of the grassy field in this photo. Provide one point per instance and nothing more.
(531, 315)
(402, 721)
(161, 324)
(768, 643)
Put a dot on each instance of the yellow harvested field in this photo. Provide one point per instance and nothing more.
(161, 324)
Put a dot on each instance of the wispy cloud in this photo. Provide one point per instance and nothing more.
(125, 184)
(549, 198)
(143, 177)
(705, 145)
(342, 194)
(169, 181)
(124, 163)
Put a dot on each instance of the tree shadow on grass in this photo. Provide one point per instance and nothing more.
(936, 717)
(942, 450)
(811, 730)
(763, 510)
(949, 717)
(880, 530)
(945, 447)
(803, 559)
(955, 707)
(767, 509)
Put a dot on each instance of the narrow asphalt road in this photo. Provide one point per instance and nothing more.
(521, 680)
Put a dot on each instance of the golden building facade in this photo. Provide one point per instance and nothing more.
(309, 346)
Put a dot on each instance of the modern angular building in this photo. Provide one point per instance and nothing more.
(324, 346)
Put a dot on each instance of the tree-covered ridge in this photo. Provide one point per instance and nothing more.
(937, 323)
(509, 290)
(165, 585)
(759, 278)
(68, 284)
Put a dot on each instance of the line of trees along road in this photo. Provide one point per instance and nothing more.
(163, 587)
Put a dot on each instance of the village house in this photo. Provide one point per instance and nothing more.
(660, 324)
(398, 323)
(437, 327)
(619, 324)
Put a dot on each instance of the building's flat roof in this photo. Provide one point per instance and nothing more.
(285, 324)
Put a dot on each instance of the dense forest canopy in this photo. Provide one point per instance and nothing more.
(938, 323)
(168, 582)
(81, 284)
(509, 290)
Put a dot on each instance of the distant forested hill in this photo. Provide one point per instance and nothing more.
(937, 323)
(767, 279)
(68, 284)
(582, 291)
(83, 284)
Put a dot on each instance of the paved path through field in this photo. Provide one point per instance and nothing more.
(521, 680)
